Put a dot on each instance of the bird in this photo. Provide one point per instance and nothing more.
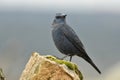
(67, 41)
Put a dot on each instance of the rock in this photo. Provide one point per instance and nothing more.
(50, 68)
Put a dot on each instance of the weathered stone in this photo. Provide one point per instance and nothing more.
(49, 68)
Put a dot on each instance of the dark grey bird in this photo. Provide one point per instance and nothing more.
(66, 40)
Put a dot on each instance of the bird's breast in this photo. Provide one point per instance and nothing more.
(62, 43)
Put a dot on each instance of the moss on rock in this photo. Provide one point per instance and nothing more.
(69, 64)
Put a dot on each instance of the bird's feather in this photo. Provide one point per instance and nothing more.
(73, 38)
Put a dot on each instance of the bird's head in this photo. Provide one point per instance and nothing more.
(59, 19)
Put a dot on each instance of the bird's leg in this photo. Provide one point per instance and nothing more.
(62, 57)
(65, 57)
(70, 58)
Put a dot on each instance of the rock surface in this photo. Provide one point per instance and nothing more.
(49, 68)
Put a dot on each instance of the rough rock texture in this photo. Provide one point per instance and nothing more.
(49, 68)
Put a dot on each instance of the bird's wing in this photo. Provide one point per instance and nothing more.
(73, 38)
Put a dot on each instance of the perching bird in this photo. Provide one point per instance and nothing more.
(66, 40)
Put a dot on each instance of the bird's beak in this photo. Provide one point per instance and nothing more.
(64, 15)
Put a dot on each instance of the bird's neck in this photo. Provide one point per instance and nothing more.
(58, 24)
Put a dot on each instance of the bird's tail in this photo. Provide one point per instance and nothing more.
(87, 58)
